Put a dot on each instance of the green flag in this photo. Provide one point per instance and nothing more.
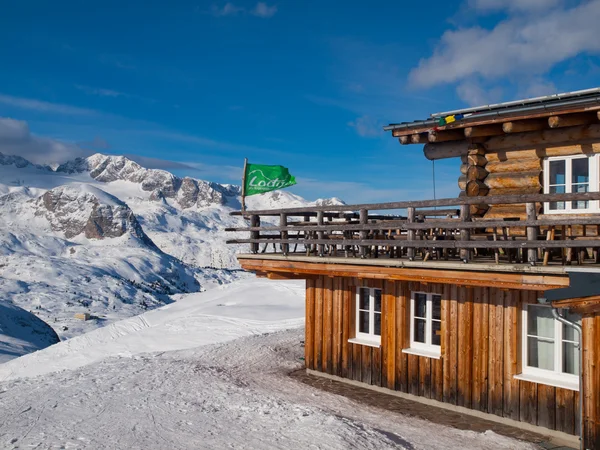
(260, 178)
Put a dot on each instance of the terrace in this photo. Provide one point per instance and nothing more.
(432, 234)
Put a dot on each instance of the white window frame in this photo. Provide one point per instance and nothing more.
(427, 348)
(554, 377)
(370, 338)
(593, 183)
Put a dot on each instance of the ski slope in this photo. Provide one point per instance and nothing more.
(208, 371)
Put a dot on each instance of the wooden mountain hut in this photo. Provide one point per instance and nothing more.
(485, 303)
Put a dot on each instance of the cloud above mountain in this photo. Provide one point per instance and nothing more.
(17, 139)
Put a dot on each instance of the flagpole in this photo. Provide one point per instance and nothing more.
(244, 187)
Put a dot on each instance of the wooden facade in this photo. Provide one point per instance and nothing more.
(480, 353)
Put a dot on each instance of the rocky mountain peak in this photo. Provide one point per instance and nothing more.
(17, 161)
(83, 209)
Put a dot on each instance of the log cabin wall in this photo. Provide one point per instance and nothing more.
(480, 348)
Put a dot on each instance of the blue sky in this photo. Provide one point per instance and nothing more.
(304, 84)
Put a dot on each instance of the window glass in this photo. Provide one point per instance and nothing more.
(436, 307)
(570, 358)
(580, 172)
(540, 321)
(420, 325)
(557, 172)
(377, 324)
(364, 298)
(363, 321)
(377, 295)
(540, 353)
(420, 305)
(436, 338)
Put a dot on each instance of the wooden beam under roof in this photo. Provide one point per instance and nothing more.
(461, 277)
(571, 120)
(444, 136)
(520, 126)
(484, 130)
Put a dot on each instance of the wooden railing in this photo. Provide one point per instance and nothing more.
(444, 234)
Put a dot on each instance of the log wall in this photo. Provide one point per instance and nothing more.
(480, 351)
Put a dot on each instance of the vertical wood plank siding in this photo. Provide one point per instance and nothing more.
(481, 351)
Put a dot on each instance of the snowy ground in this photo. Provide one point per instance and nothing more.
(177, 378)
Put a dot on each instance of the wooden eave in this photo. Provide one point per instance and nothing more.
(279, 266)
(580, 305)
(474, 122)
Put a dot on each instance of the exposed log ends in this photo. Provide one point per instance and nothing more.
(476, 173)
(476, 160)
(520, 126)
(484, 130)
(462, 182)
(446, 150)
(464, 159)
(514, 179)
(404, 140)
(478, 210)
(419, 138)
(545, 138)
(444, 136)
(571, 120)
(514, 165)
(475, 188)
(464, 168)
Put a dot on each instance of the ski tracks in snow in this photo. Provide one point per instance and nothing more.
(231, 395)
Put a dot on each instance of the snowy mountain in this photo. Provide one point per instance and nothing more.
(105, 236)
(22, 332)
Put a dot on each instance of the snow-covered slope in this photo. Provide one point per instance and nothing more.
(234, 394)
(21, 332)
(245, 307)
(105, 236)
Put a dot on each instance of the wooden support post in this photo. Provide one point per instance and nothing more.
(549, 237)
(532, 233)
(320, 234)
(285, 248)
(363, 219)
(411, 233)
(254, 222)
(465, 235)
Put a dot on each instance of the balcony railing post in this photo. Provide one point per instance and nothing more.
(410, 251)
(254, 222)
(320, 234)
(285, 247)
(363, 219)
(465, 234)
(532, 233)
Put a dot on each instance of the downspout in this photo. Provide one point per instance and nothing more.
(577, 327)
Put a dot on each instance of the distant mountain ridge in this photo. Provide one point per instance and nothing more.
(106, 236)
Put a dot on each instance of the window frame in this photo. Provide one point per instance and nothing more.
(593, 183)
(427, 348)
(554, 377)
(369, 338)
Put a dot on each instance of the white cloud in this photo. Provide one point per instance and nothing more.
(229, 9)
(518, 45)
(472, 93)
(263, 10)
(41, 106)
(366, 126)
(100, 92)
(16, 139)
(512, 5)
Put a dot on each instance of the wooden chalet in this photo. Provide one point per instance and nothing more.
(488, 303)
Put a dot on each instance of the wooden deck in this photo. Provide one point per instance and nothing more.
(448, 234)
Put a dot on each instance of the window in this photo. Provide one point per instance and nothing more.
(550, 348)
(368, 316)
(571, 174)
(425, 324)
